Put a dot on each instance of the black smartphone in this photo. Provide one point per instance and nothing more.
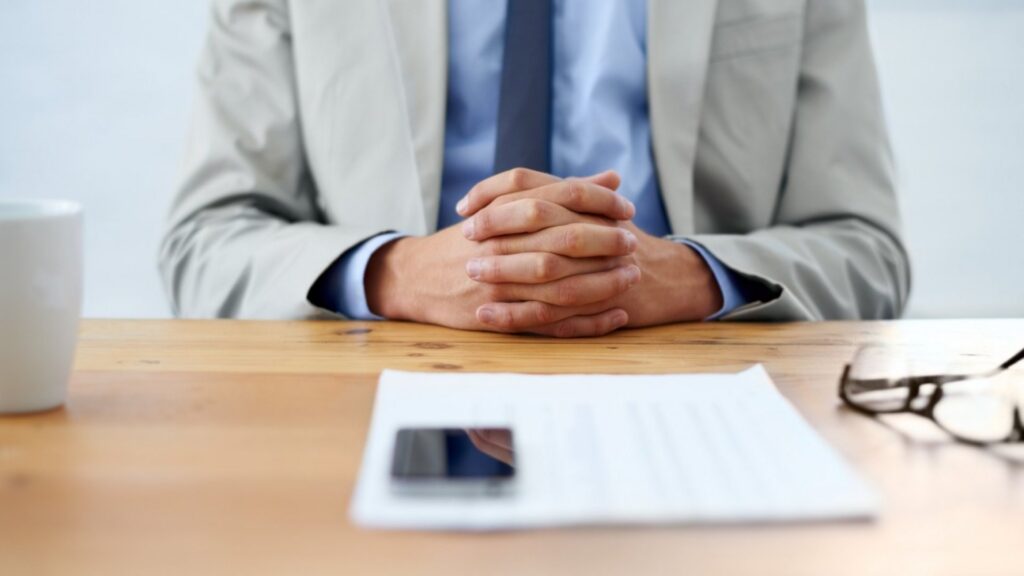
(454, 461)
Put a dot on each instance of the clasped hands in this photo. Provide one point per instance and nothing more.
(545, 255)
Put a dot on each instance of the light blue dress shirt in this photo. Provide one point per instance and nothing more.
(599, 122)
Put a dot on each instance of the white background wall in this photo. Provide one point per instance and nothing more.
(94, 100)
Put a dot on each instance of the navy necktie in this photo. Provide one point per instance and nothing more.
(524, 109)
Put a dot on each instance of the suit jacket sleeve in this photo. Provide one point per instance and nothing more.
(834, 250)
(245, 237)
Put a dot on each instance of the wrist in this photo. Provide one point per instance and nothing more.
(682, 288)
(706, 293)
(384, 279)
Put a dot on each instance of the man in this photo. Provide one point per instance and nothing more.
(561, 167)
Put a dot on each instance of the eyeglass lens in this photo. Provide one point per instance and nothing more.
(978, 410)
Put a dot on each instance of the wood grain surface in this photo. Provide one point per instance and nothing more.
(221, 447)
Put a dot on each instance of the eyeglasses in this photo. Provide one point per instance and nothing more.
(972, 407)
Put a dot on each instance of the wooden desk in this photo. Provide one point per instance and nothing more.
(232, 447)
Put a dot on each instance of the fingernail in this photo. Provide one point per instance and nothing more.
(462, 205)
(630, 240)
(474, 268)
(620, 318)
(485, 315)
(632, 274)
(467, 228)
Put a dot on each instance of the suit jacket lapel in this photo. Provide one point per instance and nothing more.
(420, 31)
(678, 44)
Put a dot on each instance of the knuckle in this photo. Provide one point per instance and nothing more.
(574, 193)
(571, 239)
(545, 268)
(517, 178)
(621, 242)
(565, 329)
(482, 223)
(536, 212)
(490, 269)
(567, 293)
(622, 281)
(544, 314)
(503, 319)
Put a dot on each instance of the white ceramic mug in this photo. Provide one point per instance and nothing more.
(40, 301)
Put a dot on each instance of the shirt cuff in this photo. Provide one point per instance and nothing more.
(341, 287)
(728, 282)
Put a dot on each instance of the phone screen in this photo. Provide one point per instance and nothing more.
(453, 456)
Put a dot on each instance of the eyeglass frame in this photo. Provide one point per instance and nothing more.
(914, 383)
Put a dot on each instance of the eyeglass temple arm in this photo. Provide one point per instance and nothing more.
(881, 383)
(1013, 360)
(905, 382)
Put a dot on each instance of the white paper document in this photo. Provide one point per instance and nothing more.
(624, 449)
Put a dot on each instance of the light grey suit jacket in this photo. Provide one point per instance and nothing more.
(319, 123)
